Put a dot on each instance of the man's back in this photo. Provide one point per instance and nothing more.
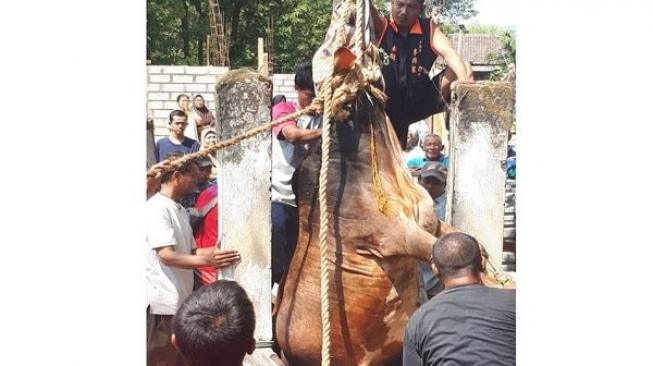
(466, 325)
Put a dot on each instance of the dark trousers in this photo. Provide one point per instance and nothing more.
(160, 351)
(285, 223)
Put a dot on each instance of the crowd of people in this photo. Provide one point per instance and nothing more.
(195, 319)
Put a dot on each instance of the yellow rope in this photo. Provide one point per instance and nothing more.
(381, 197)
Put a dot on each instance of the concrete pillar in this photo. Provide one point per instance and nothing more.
(244, 172)
(480, 123)
(150, 144)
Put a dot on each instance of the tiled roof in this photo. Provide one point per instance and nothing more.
(475, 48)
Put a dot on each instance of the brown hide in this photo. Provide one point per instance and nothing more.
(370, 297)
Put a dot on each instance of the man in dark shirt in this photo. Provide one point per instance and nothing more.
(467, 323)
(176, 142)
(411, 45)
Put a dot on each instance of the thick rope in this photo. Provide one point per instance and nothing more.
(326, 92)
(324, 228)
(359, 35)
(314, 109)
(346, 89)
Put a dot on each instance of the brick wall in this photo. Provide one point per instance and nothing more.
(165, 83)
(284, 84)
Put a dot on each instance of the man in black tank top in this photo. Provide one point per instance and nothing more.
(412, 44)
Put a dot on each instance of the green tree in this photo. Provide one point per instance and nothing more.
(177, 29)
(485, 29)
(455, 11)
(299, 30)
(506, 58)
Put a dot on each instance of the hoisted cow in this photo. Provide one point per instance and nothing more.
(374, 244)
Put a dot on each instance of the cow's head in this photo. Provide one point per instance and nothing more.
(338, 48)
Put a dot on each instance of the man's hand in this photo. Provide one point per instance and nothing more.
(153, 177)
(442, 45)
(223, 258)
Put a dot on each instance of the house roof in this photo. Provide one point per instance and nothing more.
(475, 48)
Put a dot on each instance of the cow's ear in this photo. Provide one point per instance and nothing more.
(344, 59)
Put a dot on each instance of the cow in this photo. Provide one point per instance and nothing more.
(373, 283)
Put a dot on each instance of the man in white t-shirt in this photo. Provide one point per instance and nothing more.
(288, 147)
(171, 258)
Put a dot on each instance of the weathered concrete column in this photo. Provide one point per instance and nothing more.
(480, 123)
(244, 173)
(149, 134)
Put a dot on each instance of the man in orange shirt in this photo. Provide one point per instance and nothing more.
(412, 44)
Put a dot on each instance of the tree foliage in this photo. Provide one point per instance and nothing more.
(299, 29)
(455, 11)
(506, 58)
(485, 29)
(177, 29)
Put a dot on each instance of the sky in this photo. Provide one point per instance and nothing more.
(495, 12)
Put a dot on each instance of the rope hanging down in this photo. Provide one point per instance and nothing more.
(327, 92)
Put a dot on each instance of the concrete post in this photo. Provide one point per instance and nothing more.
(244, 173)
(480, 123)
(150, 143)
(262, 58)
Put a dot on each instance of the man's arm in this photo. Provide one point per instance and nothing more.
(294, 134)
(153, 177)
(441, 45)
(203, 251)
(210, 256)
(171, 258)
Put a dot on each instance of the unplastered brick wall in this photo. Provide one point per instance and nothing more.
(284, 84)
(165, 83)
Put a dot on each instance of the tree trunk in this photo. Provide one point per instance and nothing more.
(184, 30)
(201, 36)
(235, 22)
